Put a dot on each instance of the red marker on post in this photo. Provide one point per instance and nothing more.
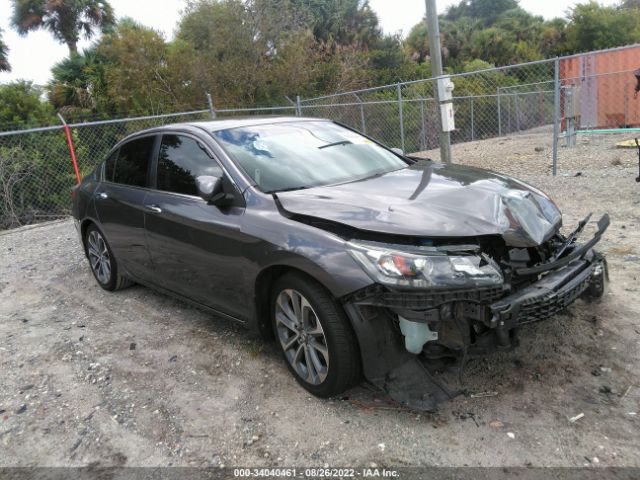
(74, 160)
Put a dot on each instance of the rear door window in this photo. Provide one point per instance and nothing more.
(133, 162)
(180, 161)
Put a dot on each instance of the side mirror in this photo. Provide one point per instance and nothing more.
(398, 151)
(209, 187)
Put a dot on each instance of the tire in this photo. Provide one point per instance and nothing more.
(102, 262)
(340, 368)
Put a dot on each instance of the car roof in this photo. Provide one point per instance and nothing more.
(223, 124)
(217, 125)
(226, 123)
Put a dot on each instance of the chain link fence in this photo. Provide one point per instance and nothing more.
(487, 103)
(588, 96)
(36, 172)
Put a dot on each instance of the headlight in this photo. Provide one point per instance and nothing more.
(424, 267)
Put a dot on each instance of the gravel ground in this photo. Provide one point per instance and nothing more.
(138, 379)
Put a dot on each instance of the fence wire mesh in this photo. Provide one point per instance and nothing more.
(36, 173)
(487, 103)
(578, 99)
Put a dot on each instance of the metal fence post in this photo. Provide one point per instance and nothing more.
(499, 114)
(556, 113)
(517, 109)
(363, 123)
(212, 110)
(401, 113)
(298, 106)
(423, 128)
(473, 131)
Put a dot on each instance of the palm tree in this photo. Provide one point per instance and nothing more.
(77, 81)
(4, 54)
(65, 19)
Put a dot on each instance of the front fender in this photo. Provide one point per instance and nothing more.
(331, 266)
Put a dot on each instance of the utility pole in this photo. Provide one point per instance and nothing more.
(433, 30)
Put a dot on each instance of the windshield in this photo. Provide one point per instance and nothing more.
(289, 156)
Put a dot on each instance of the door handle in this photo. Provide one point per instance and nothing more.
(102, 196)
(153, 209)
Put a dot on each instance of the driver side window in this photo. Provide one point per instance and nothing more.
(180, 161)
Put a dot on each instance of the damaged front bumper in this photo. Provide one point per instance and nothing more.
(458, 324)
(550, 295)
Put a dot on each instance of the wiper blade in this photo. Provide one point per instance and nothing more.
(335, 144)
(417, 160)
(290, 189)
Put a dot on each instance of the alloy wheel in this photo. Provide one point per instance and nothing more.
(301, 336)
(99, 257)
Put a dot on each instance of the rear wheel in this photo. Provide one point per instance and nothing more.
(315, 336)
(102, 262)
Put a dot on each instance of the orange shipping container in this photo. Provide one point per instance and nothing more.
(605, 84)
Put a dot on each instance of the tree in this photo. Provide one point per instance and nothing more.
(345, 22)
(594, 27)
(456, 39)
(259, 51)
(554, 37)
(523, 25)
(296, 68)
(417, 42)
(487, 11)
(4, 56)
(21, 106)
(232, 53)
(390, 62)
(630, 4)
(499, 32)
(492, 45)
(67, 20)
(77, 85)
(135, 70)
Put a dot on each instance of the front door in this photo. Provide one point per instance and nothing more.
(196, 247)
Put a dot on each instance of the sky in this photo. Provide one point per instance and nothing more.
(32, 57)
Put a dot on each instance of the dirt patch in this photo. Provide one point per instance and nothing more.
(136, 378)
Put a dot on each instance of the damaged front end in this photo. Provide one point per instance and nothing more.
(436, 304)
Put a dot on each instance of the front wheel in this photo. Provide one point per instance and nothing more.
(314, 335)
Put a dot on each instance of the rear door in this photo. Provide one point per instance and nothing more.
(196, 247)
(119, 202)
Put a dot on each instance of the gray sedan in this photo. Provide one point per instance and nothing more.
(357, 259)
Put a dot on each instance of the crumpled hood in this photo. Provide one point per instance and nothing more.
(431, 199)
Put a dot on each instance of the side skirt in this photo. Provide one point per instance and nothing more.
(184, 299)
